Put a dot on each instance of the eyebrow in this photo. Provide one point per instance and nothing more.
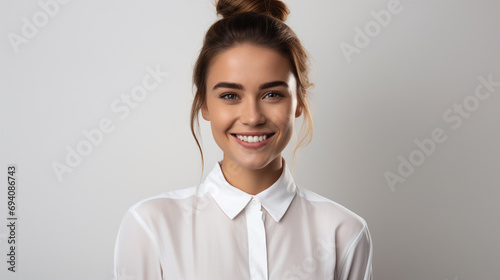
(240, 86)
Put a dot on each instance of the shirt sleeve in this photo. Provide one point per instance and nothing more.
(136, 254)
(356, 263)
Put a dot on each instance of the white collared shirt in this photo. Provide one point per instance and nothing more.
(216, 231)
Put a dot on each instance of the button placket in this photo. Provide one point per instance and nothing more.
(256, 202)
(257, 247)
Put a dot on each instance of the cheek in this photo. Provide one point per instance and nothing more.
(284, 120)
(221, 120)
(284, 117)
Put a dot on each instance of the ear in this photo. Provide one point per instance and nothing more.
(204, 112)
(300, 107)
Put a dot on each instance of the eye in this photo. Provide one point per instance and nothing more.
(273, 95)
(229, 96)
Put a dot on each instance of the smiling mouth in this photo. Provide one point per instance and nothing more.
(253, 138)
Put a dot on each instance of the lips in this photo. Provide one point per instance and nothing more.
(252, 133)
(253, 139)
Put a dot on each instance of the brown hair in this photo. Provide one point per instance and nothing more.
(261, 23)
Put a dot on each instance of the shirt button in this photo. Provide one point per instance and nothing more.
(255, 201)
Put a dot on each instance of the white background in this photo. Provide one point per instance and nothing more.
(440, 223)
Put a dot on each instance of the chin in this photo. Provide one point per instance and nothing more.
(254, 163)
(255, 166)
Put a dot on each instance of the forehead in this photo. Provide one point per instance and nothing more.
(249, 64)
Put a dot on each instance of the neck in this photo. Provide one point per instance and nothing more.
(252, 181)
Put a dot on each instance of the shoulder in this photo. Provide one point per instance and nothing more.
(331, 212)
(169, 203)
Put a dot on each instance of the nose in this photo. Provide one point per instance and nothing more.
(251, 113)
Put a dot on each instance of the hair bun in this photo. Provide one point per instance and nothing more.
(274, 8)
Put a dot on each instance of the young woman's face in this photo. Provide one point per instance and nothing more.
(251, 104)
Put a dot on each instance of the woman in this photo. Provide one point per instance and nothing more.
(248, 219)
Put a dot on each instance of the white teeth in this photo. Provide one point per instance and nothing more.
(252, 139)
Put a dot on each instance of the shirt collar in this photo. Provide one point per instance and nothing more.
(276, 199)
